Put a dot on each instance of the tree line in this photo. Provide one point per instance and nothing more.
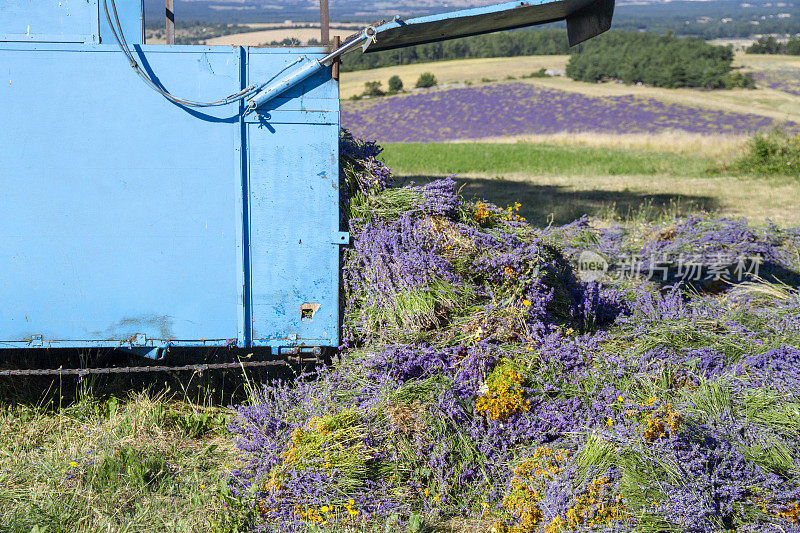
(770, 45)
(656, 60)
(504, 44)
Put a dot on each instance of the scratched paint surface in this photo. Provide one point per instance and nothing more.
(120, 210)
(294, 212)
(49, 20)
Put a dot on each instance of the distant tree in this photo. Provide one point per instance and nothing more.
(395, 84)
(767, 45)
(505, 44)
(373, 88)
(770, 45)
(426, 79)
(655, 60)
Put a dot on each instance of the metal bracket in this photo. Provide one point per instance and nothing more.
(150, 352)
(301, 354)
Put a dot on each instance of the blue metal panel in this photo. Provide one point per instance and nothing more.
(294, 209)
(67, 21)
(485, 19)
(294, 227)
(131, 17)
(132, 222)
(121, 212)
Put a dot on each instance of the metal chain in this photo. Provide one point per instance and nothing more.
(139, 369)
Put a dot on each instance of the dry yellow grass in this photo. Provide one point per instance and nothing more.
(718, 147)
(766, 61)
(258, 38)
(473, 70)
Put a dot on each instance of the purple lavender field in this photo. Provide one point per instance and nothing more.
(519, 109)
(786, 80)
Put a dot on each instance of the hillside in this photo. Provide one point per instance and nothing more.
(724, 111)
(719, 19)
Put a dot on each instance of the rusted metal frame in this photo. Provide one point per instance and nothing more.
(325, 22)
(337, 42)
(290, 354)
(170, 12)
(139, 369)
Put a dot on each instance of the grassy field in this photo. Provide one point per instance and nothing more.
(720, 148)
(144, 458)
(463, 70)
(538, 159)
(562, 176)
(141, 463)
(556, 184)
(762, 101)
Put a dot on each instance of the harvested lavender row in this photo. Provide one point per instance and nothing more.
(485, 379)
(521, 109)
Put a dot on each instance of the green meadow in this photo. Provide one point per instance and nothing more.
(556, 183)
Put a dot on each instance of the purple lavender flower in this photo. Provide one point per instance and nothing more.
(776, 369)
(481, 112)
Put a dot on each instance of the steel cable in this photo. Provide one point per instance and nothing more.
(119, 36)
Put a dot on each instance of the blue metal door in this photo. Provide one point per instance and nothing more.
(293, 174)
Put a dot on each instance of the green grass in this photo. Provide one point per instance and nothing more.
(558, 183)
(143, 463)
(541, 159)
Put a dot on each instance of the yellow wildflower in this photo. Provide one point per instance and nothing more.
(505, 396)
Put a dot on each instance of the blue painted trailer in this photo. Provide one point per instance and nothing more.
(133, 219)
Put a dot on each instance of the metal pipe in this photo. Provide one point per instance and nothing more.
(337, 42)
(144, 22)
(308, 67)
(362, 41)
(170, 12)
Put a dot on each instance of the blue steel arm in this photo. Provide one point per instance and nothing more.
(585, 19)
(308, 68)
